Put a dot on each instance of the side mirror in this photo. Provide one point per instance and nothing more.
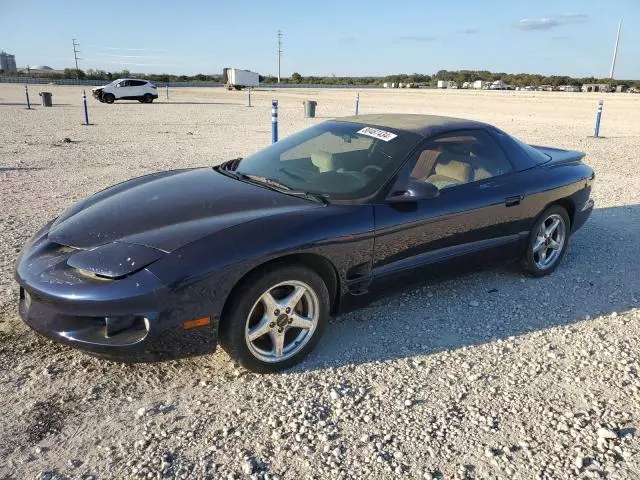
(416, 190)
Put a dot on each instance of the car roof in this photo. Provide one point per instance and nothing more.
(423, 125)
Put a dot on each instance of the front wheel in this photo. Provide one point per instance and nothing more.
(276, 319)
(548, 242)
(109, 97)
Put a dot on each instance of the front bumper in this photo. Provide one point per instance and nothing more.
(148, 337)
(132, 319)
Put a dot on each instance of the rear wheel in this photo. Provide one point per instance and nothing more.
(109, 97)
(147, 98)
(275, 319)
(548, 242)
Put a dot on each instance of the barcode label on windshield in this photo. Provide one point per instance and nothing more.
(376, 133)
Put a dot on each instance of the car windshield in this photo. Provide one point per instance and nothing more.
(339, 160)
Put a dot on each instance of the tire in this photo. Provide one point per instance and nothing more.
(247, 314)
(546, 247)
(109, 97)
(147, 98)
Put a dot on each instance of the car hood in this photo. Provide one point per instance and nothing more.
(168, 210)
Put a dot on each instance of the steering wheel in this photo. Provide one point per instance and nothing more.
(368, 170)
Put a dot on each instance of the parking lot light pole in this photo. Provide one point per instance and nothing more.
(274, 121)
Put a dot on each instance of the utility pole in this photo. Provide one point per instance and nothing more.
(75, 55)
(279, 52)
(615, 51)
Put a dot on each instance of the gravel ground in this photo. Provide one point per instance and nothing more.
(486, 375)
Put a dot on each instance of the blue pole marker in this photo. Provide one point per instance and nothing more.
(357, 103)
(26, 94)
(249, 91)
(84, 104)
(274, 121)
(598, 116)
(167, 92)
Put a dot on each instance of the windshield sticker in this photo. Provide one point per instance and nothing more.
(379, 134)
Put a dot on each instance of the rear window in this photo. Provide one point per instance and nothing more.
(533, 152)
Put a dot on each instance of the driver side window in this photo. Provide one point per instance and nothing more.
(459, 158)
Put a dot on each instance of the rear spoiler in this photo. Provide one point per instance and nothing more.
(558, 155)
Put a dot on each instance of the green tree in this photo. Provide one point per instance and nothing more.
(73, 73)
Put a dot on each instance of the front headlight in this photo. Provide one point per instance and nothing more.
(115, 260)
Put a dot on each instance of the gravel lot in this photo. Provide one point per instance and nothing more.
(487, 375)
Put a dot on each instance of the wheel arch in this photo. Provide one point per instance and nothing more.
(313, 261)
(568, 205)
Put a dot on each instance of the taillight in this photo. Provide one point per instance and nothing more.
(153, 86)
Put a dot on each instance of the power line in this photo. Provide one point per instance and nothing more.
(75, 56)
(279, 52)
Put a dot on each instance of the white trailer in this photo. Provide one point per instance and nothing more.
(447, 84)
(239, 79)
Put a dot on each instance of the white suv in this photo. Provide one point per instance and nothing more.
(127, 89)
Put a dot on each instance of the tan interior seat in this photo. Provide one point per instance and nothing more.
(425, 163)
(323, 161)
(456, 170)
(481, 173)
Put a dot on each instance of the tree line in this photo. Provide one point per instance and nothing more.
(418, 79)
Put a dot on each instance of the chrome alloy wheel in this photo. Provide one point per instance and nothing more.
(549, 241)
(282, 321)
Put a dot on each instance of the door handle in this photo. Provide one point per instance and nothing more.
(513, 201)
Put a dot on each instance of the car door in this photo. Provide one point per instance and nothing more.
(137, 88)
(123, 89)
(478, 207)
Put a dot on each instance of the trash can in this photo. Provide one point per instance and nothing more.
(46, 99)
(310, 108)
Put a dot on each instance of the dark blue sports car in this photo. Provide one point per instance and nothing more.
(258, 252)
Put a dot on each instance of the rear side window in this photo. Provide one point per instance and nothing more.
(137, 83)
(533, 152)
(459, 158)
(536, 155)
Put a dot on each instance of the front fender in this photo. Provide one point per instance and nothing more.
(208, 269)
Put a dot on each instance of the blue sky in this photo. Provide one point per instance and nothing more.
(324, 37)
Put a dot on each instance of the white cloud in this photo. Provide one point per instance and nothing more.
(547, 23)
(415, 38)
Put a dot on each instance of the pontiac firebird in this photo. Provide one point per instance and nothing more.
(257, 253)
